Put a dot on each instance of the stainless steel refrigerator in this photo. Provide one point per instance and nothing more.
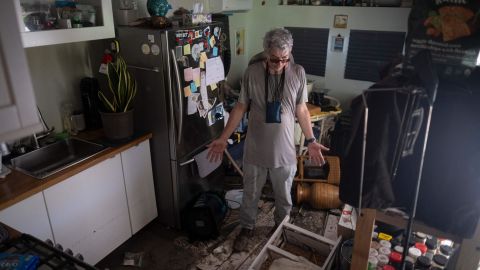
(157, 59)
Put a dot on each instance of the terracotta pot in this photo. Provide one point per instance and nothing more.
(117, 126)
(318, 195)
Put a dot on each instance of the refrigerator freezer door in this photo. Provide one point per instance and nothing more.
(190, 185)
(195, 131)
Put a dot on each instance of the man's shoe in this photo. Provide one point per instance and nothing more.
(241, 242)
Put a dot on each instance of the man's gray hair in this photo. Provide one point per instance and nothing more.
(278, 38)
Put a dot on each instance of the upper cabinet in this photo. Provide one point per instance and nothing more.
(47, 22)
(18, 110)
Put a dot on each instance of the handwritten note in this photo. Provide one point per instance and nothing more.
(196, 74)
(214, 70)
(187, 91)
(187, 74)
(186, 49)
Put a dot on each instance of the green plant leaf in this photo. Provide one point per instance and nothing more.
(122, 87)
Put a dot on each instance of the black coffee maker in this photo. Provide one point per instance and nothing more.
(89, 88)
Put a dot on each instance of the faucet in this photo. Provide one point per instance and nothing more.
(46, 131)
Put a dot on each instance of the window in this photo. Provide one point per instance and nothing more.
(370, 51)
(310, 48)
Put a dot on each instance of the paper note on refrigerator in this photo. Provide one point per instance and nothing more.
(186, 91)
(193, 87)
(203, 92)
(212, 41)
(203, 57)
(213, 86)
(196, 74)
(187, 74)
(214, 70)
(215, 51)
(192, 103)
(186, 49)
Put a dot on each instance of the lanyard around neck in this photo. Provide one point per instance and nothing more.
(279, 88)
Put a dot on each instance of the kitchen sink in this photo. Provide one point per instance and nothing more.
(55, 157)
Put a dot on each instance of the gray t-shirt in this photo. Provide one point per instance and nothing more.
(271, 145)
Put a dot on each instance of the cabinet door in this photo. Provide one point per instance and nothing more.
(88, 211)
(137, 170)
(99, 11)
(18, 111)
(29, 216)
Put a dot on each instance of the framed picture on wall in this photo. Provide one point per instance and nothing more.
(340, 21)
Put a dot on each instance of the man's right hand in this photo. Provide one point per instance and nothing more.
(215, 149)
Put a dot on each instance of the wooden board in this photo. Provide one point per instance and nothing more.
(363, 238)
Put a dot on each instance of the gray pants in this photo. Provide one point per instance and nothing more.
(254, 179)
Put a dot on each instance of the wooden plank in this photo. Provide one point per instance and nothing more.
(363, 238)
(310, 234)
(262, 256)
(282, 252)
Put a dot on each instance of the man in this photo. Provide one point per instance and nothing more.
(275, 92)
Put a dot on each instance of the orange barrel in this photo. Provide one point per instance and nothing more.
(318, 195)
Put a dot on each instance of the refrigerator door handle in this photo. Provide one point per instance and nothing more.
(179, 99)
(187, 162)
(154, 69)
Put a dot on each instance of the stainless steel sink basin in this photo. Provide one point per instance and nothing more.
(55, 157)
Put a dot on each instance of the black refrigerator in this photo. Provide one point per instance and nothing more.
(166, 64)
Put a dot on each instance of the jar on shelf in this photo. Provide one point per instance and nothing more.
(396, 259)
(398, 249)
(431, 245)
(446, 250)
(385, 243)
(422, 247)
(420, 237)
(414, 253)
(385, 251)
(372, 262)
(423, 263)
(439, 261)
(382, 260)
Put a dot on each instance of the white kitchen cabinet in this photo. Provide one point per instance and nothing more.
(29, 216)
(33, 36)
(137, 171)
(88, 212)
(18, 111)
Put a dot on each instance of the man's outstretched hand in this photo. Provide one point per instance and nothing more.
(315, 153)
(215, 150)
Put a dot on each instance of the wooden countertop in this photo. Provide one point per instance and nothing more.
(18, 186)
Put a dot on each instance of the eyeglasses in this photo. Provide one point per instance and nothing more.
(276, 60)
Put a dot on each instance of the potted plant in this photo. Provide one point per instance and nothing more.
(118, 102)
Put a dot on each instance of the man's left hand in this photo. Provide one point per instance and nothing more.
(315, 152)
